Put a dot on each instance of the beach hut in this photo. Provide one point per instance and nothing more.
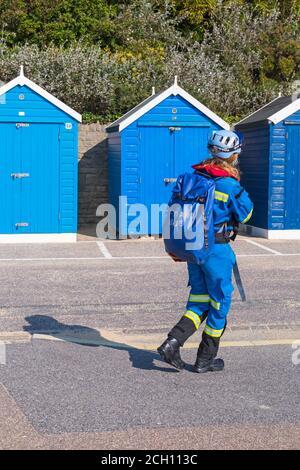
(38, 164)
(150, 146)
(270, 164)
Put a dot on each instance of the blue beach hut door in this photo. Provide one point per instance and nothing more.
(29, 178)
(165, 152)
(190, 148)
(292, 195)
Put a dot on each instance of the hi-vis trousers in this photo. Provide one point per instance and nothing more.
(211, 291)
(209, 299)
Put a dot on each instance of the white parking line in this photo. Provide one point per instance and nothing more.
(263, 247)
(55, 259)
(111, 258)
(118, 258)
(104, 250)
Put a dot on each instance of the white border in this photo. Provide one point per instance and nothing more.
(24, 81)
(285, 112)
(38, 238)
(173, 90)
(270, 234)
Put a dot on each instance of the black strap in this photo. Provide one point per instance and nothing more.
(205, 228)
(220, 239)
(239, 193)
(235, 229)
(238, 281)
(226, 234)
(205, 232)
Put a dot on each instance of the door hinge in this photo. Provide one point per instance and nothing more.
(59, 134)
(59, 216)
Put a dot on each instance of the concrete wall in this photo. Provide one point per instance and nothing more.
(92, 172)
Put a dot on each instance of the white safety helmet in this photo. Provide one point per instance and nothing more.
(224, 144)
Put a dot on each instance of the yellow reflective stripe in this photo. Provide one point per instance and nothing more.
(204, 299)
(212, 332)
(248, 217)
(215, 304)
(194, 317)
(199, 298)
(221, 196)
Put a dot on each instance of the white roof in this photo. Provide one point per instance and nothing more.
(153, 101)
(24, 81)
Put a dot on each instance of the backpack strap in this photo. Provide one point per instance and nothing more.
(205, 228)
(238, 281)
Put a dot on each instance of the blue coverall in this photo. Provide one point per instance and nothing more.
(211, 283)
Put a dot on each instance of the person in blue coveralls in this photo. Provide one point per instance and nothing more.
(211, 282)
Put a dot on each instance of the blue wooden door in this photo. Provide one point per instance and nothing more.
(165, 152)
(292, 194)
(30, 180)
(156, 152)
(157, 155)
(190, 147)
(10, 158)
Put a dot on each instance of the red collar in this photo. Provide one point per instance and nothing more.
(214, 170)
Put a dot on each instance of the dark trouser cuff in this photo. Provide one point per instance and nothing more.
(208, 348)
(183, 330)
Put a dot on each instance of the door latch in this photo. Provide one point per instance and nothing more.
(170, 180)
(21, 124)
(173, 129)
(20, 175)
(21, 224)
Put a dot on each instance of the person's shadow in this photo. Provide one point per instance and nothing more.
(85, 336)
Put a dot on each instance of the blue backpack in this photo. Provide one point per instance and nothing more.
(188, 229)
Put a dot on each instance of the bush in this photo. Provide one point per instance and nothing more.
(246, 57)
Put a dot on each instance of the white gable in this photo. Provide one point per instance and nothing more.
(173, 90)
(24, 81)
(285, 112)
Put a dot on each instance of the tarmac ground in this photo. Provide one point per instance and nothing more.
(79, 327)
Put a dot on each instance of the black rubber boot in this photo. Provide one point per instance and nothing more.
(170, 353)
(214, 365)
(206, 357)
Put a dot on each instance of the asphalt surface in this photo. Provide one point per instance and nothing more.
(72, 388)
(139, 286)
(112, 394)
